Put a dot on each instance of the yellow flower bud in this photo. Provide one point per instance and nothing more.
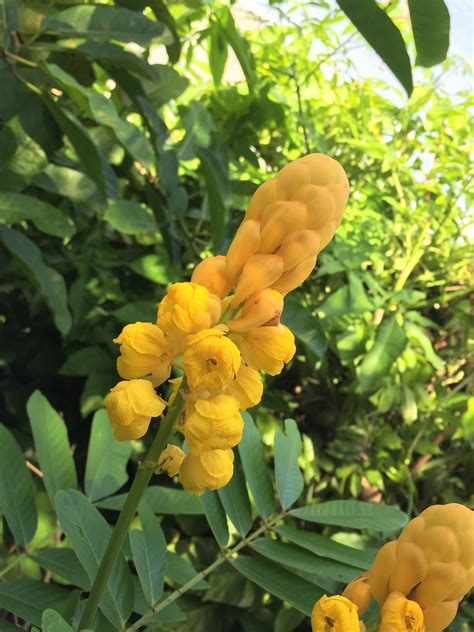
(209, 470)
(186, 309)
(259, 272)
(131, 405)
(247, 388)
(211, 273)
(293, 278)
(278, 221)
(213, 424)
(266, 348)
(144, 351)
(399, 614)
(442, 583)
(297, 247)
(262, 308)
(211, 360)
(334, 614)
(170, 460)
(244, 245)
(265, 194)
(381, 571)
(358, 591)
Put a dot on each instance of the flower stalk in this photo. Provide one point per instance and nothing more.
(142, 478)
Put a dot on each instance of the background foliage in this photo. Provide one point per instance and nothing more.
(133, 134)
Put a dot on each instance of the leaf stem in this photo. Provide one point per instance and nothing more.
(226, 556)
(129, 509)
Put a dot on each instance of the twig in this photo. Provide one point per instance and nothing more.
(225, 557)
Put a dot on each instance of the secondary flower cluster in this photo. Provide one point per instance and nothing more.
(418, 579)
(223, 327)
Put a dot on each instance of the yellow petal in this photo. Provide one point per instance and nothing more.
(291, 279)
(262, 308)
(211, 273)
(259, 272)
(244, 245)
(210, 470)
(334, 614)
(247, 387)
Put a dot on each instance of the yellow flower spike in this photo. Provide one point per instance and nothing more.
(265, 194)
(438, 617)
(320, 205)
(170, 460)
(411, 568)
(144, 351)
(210, 360)
(358, 591)
(266, 348)
(293, 278)
(213, 424)
(245, 244)
(186, 309)
(334, 614)
(382, 568)
(278, 221)
(399, 614)
(297, 247)
(442, 580)
(211, 273)
(131, 405)
(209, 470)
(247, 388)
(259, 272)
(262, 308)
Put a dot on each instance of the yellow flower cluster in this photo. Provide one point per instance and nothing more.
(420, 578)
(335, 614)
(223, 327)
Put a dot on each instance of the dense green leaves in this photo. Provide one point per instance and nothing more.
(353, 514)
(16, 207)
(235, 499)
(130, 218)
(50, 282)
(65, 564)
(107, 459)
(162, 500)
(279, 582)
(216, 516)
(256, 470)
(17, 498)
(149, 554)
(389, 343)
(289, 480)
(430, 22)
(327, 548)
(52, 445)
(28, 599)
(382, 34)
(103, 22)
(89, 533)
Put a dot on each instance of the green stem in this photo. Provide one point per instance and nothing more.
(228, 555)
(142, 478)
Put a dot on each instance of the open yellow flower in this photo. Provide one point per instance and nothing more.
(334, 614)
(266, 348)
(131, 405)
(213, 424)
(186, 309)
(144, 351)
(209, 470)
(170, 460)
(211, 360)
(247, 387)
(399, 614)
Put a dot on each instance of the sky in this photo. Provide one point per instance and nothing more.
(370, 65)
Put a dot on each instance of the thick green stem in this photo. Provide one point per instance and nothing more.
(142, 478)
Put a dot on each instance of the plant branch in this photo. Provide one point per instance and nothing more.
(225, 557)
